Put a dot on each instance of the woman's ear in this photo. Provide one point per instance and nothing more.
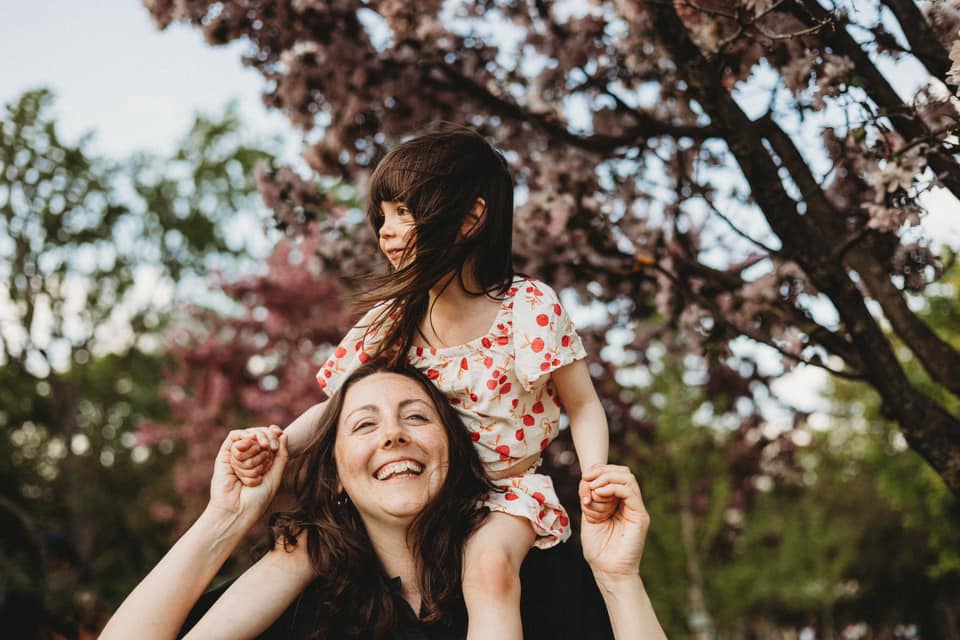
(474, 218)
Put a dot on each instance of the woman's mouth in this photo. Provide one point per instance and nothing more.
(399, 468)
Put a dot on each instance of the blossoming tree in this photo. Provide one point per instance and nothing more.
(734, 168)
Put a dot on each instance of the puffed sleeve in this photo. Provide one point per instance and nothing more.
(544, 337)
(356, 348)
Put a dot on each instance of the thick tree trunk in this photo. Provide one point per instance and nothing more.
(928, 428)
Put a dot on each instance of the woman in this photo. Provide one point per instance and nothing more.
(386, 499)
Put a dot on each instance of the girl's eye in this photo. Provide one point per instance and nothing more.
(403, 211)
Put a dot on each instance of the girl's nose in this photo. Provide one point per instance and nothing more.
(387, 230)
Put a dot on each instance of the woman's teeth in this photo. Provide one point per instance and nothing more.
(397, 468)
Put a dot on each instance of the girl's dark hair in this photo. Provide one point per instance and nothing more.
(355, 596)
(439, 176)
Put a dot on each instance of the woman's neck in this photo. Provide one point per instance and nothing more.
(390, 545)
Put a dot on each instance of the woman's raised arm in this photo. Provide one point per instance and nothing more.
(158, 606)
(613, 549)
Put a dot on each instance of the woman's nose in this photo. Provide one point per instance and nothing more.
(394, 435)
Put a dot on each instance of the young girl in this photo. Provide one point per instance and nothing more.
(501, 347)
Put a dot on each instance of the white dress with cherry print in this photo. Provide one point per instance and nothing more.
(500, 384)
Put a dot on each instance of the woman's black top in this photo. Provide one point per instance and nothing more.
(559, 599)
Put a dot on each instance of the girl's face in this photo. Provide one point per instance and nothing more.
(396, 232)
(391, 450)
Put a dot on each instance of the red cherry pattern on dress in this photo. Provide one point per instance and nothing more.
(510, 495)
(340, 352)
(488, 355)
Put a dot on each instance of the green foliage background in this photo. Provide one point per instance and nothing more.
(830, 523)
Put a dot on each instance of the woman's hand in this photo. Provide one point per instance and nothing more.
(157, 608)
(229, 497)
(614, 547)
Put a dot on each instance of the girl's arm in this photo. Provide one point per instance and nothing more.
(158, 606)
(252, 455)
(301, 430)
(588, 422)
(258, 597)
(614, 547)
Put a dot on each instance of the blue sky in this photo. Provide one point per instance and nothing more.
(115, 74)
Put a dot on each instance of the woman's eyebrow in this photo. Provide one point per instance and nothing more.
(410, 401)
(366, 407)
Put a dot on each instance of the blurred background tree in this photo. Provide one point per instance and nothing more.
(724, 192)
(94, 256)
(746, 172)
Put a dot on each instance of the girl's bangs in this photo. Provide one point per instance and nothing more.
(394, 184)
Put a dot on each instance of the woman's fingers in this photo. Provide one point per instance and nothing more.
(279, 461)
(611, 474)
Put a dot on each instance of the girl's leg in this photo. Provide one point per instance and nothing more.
(491, 576)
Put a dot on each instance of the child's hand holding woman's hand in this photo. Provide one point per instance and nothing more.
(614, 546)
(233, 499)
(253, 453)
(595, 507)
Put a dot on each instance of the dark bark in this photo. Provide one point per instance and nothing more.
(928, 428)
(923, 42)
(902, 116)
(938, 357)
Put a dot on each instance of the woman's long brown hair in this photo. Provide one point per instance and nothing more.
(354, 592)
(439, 176)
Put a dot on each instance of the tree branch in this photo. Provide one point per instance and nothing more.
(647, 126)
(923, 42)
(883, 94)
(928, 427)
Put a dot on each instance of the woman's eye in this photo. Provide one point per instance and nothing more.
(417, 417)
(366, 424)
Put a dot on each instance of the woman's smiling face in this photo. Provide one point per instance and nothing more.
(391, 449)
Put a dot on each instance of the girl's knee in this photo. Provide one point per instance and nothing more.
(490, 571)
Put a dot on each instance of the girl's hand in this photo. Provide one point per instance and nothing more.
(228, 494)
(614, 547)
(595, 509)
(252, 455)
